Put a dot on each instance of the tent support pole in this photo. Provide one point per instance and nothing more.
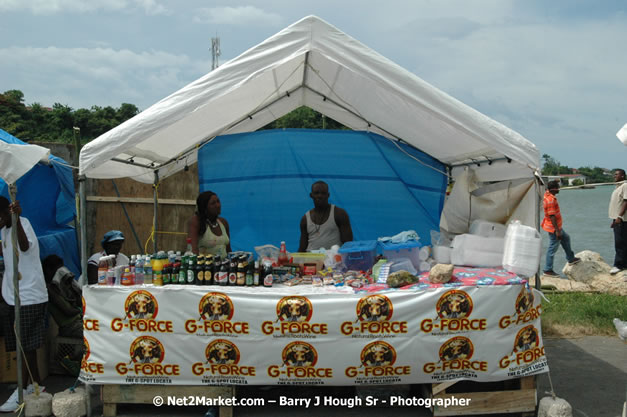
(16, 293)
(537, 210)
(82, 213)
(154, 219)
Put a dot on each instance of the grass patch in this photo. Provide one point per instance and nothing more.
(578, 314)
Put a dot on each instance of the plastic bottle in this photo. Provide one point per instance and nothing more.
(127, 279)
(147, 270)
(283, 255)
(102, 271)
(131, 265)
(157, 268)
(111, 271)
(188, 251)
(139, 270)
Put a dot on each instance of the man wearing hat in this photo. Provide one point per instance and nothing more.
(111, 244)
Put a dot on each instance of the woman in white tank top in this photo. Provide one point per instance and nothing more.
(208, 231)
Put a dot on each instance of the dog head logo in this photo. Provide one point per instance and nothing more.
(299, 354)
(524, 301)
(294, 308)
(374, 308)
(215, 306)
(222, 352)
(141, 305)
(147, 349)
(454, 304)
(526, 339)
(456, 348)
(378, 354)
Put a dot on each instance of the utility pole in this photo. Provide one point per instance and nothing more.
(215, 52)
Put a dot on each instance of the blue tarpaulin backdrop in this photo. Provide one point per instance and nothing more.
(264, 179)
(46, 194)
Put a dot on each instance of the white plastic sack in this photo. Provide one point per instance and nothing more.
(522, 249)
(487, 229)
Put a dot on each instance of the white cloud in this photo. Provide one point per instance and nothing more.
(45, 7)
(100, 76)
(240, 16)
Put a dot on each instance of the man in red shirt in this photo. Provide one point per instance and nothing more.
(552, 223)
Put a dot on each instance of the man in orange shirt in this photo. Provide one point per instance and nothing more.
(552, 223)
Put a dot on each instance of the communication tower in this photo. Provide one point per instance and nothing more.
(215, 52)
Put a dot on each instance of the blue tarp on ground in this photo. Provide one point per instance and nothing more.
(264, 179)
(46, 194)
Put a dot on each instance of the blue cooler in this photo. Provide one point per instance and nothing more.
(359, 255)
(409, 249)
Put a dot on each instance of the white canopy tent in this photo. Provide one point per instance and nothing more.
(310, 63)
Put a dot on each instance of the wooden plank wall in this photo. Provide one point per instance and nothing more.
(104, 213)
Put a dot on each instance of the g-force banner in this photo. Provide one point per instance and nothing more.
(195, 335)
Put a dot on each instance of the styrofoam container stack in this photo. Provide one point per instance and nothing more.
(523, 245)
(442, 254)
(487, 229)
(474, 250)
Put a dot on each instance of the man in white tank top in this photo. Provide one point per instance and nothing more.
(325, 225)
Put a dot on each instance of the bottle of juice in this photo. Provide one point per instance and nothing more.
(158, 262)
(102, 270)
(127, 279)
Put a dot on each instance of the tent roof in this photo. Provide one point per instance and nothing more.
(310, 63)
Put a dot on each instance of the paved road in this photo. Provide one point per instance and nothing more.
(589, 372)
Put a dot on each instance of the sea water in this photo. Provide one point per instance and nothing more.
(584, 217)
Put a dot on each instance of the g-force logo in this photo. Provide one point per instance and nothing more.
(526, 349)
(299, 360)
(216, 310)
(455, 355)
(86, 365)
(223, 358)
(453, 309)
(293, 315)
(140, 311)
(373, 315)
(377, 360)
(89, 324)
(147, 354)
(525, 311)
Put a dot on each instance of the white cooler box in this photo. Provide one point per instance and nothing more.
(473, 250)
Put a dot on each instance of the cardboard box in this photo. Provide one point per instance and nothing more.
(8, 363)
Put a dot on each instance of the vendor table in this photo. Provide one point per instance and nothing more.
(484, 325)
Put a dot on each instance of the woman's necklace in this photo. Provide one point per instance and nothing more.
(213, 224)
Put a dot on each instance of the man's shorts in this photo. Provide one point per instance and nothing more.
(32, 327)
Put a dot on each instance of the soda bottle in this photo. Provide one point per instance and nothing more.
(267, 275)
(167, 273)
(147, 270)
(283, 255)
(174, 278)
(178, 257)
(191, 270)
(223, 273)
(250, 275)
(256, 275)
(241, 271)
(182, 276)
(233, 271)
(208, 273)
(102, 270)
(200, 271)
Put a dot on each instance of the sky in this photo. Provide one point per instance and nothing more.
(553, 70)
